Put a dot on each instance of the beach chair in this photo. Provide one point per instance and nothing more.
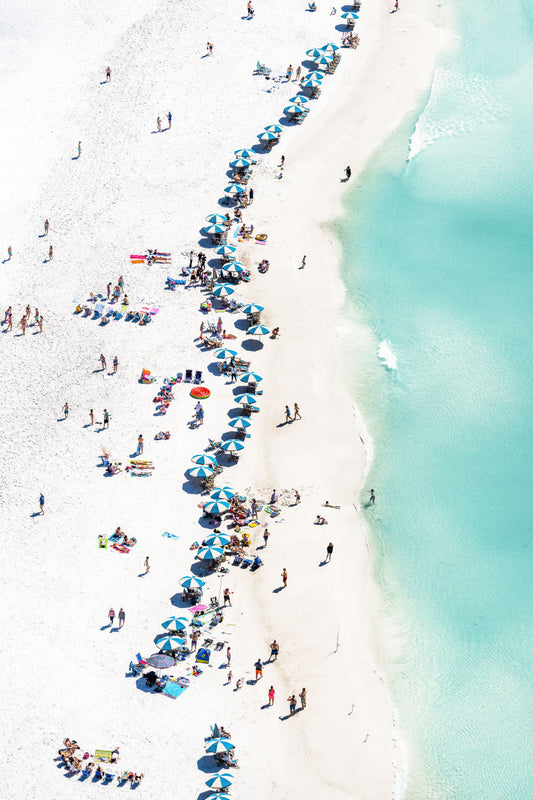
(246, 562)
(237, 561)
(262, 69)
(198, 376)
(188, 376)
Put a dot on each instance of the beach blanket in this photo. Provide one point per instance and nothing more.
(173, 689)
(103, 755)
(170, 535)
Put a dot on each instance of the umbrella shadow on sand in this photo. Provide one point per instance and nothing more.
(207, 764)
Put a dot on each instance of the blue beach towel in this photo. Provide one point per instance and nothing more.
(173, 689)
(170, 535)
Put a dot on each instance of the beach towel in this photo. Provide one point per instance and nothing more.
(103, 755)
(170, 535)
(173, 689)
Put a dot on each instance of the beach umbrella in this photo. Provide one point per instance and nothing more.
(191, 582)
(233, 260)
(329, 48)
(216, 218)
(220, 746)
(273, 128)
(244, 153)
(209, 553)
(315, 52)
(324, 60)
(226, 249)
(233, 446)
(176, 623)
(258, 330)
(222, 290)
(268, 136)
(239, 163)
(222, 780)
(250, 377)
(299, 99)
(216, 227)
(317, 75)
(201, 472)
(218, 540)
(246, 399)
(252, 308)
(234, 266)
(294, 109)
(218, 796)
(240, 423)
(216, 506)
(225, 353)
(225, 493)
(311, 83)
(170, 642)
(350, 15)
(235, 188)
(204, 458)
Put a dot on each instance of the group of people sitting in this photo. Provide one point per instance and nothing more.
(350, 40)
(119, 537)
(70, 760)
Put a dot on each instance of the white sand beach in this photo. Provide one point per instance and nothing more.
(134, 189)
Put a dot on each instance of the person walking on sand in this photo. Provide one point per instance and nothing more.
(41, 503)
(297, 498)
(194, 639)
(372, 496)
(288, 417)
(115, 364)
(46, 227)
(288, 74)
(303, 698)
(103, 362)
(258, 669)
(274, 650)
(230, 676)
(121, 618)
(111, 616)
(266, 534)
(329, 552)
(396, 7)
(106, 418)
(254, 508)
(348, 173)
(292, 704)
(227, 598)
(40, 323)
(108, 75)
(169, 120)
(298, 73)
(271, 694)
(9, 253)
(23, 323)
(159, 124)
(91, 415)
(146, 566)
(209, 49)
(50, 253)
(65, 411)
(9, 320)
(297, 411)
(304, 259)
(284, 578)
(108, 290)
(140, 444)
(228, 655)
(79, 149)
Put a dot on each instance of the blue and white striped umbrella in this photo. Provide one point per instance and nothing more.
(273, 128)
(314, 53)
(293, 109)
(324, 60)
(329, 48)
(225, 492)
(225, 353)
(210, 553)
(220, 746)
(350, 15)
(252, 308)
(267, 136)
(315, 76)
(233, 260)
(299, 99)
(170, 642)
(204, 458)
(216, 227)
(239, 163)
(244, 153)
(176, 623)
(235, 188)
(250, 377)
(216, 506)
(215, 218)
(235, 266)
(240, 423)
(191, 582)
(218, 796)
(220, 781)
(222, 290)
(311, 83)
(233, 446)
(226, 249)
(218, 540)
(201, 472)
(258, 330)
(246, 398)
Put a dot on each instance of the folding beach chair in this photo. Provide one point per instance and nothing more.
(198, 376)
(188, 376)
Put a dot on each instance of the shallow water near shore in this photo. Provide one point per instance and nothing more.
(438, 254)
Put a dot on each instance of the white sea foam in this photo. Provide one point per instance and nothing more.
(456, 105)
(387, 356)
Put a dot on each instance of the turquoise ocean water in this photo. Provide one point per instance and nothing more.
(438, 261)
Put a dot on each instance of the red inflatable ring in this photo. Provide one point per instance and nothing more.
(200, 392)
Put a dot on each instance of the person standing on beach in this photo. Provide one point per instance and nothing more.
(396, 7)
(297, 411)
(169, 119)
(46, 227)
(288, 417)
(329, 552)
(209, 49)
(9, 253)
(146, 566)
(22, 324)
(303, 698)
(228, 655)
(254, 508)
(106, 418)
(65, 411)
(103, 362)
(304, 259)
(108, 75)
(266, 534)
(292, 704)
(159, 124)
(271, 694)
(40, 323)
(274, 650)
(372, 496)
(79, 149)
(191, 258)
(298, 73)
(284, 578)
(91, 415)
(258, 669)
(288, 74)
(121, 618)
(50, 253)
(348, 172)
(108, 290)
(9, 320)
(297, 498)
(194, 639)
(111, 616)
(140, 444)
(41, 503)
(115, 364)
(227, 598)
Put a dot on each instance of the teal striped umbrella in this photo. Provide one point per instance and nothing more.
(222, 780)
(215, 218)
(273, 128)
(226, 249)
(314, 53)
(201, 472)
(258, 330)
(239, 163)
(204, 458)
(233, 446)
(316, 76)
(252, 308)
(216, 227)
(324, 60)
(240, 423)
(191, 582)
(216, 506)
(250, 377)
(293, 109)
(244, 153)
(176, 623)
(299, 99)
(170, 642)
(330, 48)
(220, 746)
(311, 83)
(246, 399)
(267, 136)
(235, 188)
(350, 15)
(210, 553)
(218, 540)
(225, 493)
(225, 353)
(223, 289)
